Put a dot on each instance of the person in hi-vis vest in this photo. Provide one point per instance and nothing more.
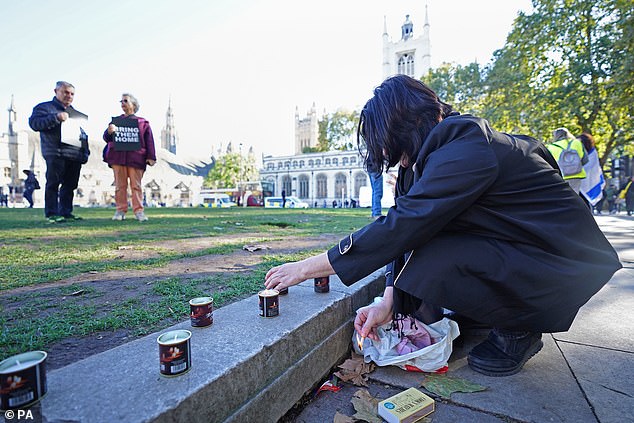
(561, 138)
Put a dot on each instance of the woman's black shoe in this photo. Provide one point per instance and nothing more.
(504, 352)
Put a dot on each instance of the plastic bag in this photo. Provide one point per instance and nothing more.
(428, 359)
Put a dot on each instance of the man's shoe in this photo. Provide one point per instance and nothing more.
(140, 216)
(54, 219)
(118, 215)
(504, 352)
(72, 217)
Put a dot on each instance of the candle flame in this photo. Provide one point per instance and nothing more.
(360, 340)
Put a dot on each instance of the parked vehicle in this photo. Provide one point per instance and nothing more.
(291, 203)
(216, 200)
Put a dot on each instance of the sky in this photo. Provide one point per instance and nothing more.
(234, 70)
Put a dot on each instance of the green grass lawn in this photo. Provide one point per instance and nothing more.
(34, 252)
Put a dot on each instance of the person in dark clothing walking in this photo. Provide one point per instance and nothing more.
(63, 161)
(283, 198)
(483, 225)
(30, 184)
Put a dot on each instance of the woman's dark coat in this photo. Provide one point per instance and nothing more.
(493, 230)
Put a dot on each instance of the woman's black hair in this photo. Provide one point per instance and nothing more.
(396, 120)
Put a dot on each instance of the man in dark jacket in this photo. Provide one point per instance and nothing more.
(30, 185)
(483, 225)
(63, 161)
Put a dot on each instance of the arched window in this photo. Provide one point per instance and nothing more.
(344, 161)
(327, 163)
(335, 161)
(303, 186)
(301, 163)
(321, 185)
(318, 162)
(341, 186)
(406, 65)
(311, 163)
(360, 180)
(286, 184)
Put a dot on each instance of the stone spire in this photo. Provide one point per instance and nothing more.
(169, 136)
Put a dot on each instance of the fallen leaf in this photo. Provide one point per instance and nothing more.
(355, 370)
(342, 418)
(366, 406)
(76, 293)
(444, 385)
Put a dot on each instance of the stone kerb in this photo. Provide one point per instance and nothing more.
(244, 367)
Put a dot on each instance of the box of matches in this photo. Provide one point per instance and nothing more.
(407, 407)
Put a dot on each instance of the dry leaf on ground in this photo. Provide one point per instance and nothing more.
(444, 385)
(342, 418)
(355, 370)
(366, 406)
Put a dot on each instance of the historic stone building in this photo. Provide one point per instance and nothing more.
(172, 181)
(321, 178)
(409, 55)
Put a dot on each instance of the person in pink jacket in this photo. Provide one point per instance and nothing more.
(129, 160)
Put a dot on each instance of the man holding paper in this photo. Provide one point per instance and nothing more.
(64, 147)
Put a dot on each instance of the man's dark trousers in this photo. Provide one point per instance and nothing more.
(58, 201)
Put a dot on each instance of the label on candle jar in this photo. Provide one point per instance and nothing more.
(269, 303)
(201, 311)
(22, 379)
(322, 284)
(175, 352)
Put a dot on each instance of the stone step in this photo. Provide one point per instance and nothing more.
(245, 368)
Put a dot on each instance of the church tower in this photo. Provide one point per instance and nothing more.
(169, 136)
(408, 56)
(306, 130)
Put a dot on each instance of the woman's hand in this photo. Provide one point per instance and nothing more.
(374, 315)
(283, 276)
(150, 162)
(290, 274)
(111, 128)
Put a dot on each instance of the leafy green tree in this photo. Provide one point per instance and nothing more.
(337, 131)
(461, 86)
(230, 169)
(568, 63)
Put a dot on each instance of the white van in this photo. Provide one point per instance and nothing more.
(291, 203)
(216, 200)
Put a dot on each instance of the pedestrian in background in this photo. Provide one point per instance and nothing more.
(130, 165)
(376, 182)
(562, 141)
(30, 185)
(63, 161)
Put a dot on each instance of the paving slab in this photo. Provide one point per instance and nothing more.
(607, 320)
(606, 378)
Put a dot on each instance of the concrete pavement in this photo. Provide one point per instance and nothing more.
(583, 375)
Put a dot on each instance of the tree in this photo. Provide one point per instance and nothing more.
(568, 63)
(230, 169)
(337, 130)
(461, 86)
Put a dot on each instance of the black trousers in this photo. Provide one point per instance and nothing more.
(62, 177)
